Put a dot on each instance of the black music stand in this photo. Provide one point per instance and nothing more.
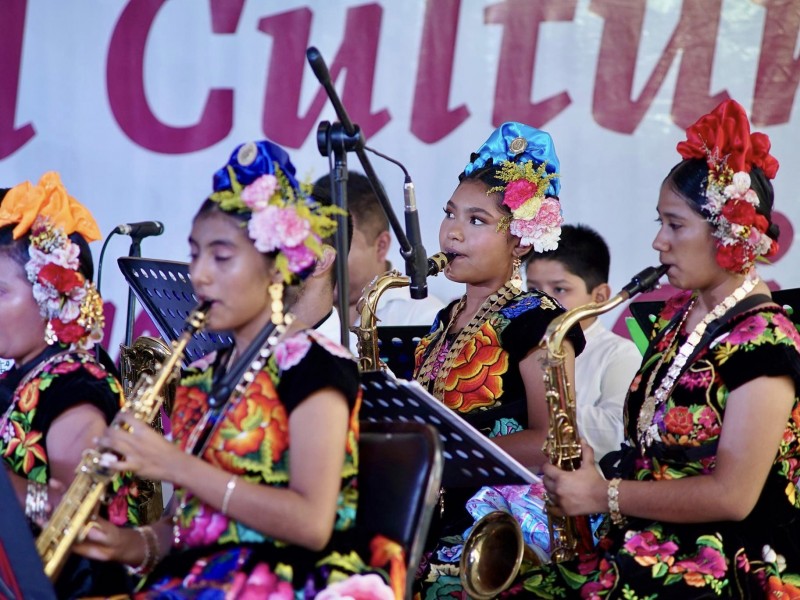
(471, 459)
(21, 571)
(164, 289)
(396, 345)
(646, 312)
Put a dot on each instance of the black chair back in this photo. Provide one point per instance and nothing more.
(400, 473)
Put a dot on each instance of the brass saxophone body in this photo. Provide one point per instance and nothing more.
(68, 522)
(367, 330)
(494, 552)
(571, 535)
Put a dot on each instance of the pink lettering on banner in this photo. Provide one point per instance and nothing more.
(12, 138)
(778, 70)
(357, 55)
(225, 15)
(521, 20)
(695, 36)
(126, 90)
(431, 119)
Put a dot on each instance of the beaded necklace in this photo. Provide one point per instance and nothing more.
(646, 428)
(492, 304)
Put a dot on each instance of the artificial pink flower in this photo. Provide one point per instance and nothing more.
(300, 257)
(256, 195)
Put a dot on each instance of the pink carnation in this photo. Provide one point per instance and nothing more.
(277, 228)
(549, 214)
(518, 192)
(262, 229)
(300, 257)
(257, 194)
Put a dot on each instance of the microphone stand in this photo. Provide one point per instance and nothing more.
(135, 251)
(343, 137)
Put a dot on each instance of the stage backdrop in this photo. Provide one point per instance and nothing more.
(137, 102)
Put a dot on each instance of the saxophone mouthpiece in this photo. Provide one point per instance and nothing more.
(438, 262)
(645, 280)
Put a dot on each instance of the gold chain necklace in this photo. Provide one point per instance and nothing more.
(491, 305)
(646, 428)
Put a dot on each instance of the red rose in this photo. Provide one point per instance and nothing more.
(760, 222)
(679, 420)
(740, 212)
(64, 280)
(67, 333)
(732, 258)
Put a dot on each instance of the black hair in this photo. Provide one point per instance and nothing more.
(583, 252)
(321, 192)
(17, 250)
(689, 178)
(363, 205)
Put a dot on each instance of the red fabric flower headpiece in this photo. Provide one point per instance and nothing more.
(723, 139)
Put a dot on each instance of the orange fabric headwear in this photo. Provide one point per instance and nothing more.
(48, 198)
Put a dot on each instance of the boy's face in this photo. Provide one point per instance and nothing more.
(552, 278)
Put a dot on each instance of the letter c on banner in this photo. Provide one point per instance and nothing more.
(126, 93)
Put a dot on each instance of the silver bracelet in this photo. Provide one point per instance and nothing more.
(226, 499)
(151, 551)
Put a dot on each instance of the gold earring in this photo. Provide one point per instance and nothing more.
(516, 276)
(276, 297)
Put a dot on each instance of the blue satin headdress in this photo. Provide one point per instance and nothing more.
(517, 142)
(251, 160)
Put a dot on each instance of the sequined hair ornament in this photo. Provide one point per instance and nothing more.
(526, 160)
(48, 215)
(259, 182)
(723, 139)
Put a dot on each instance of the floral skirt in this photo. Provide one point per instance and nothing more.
(244, 572)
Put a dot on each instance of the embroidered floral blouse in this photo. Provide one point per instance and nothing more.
(251, 439)
(484, 384)
(753, 558)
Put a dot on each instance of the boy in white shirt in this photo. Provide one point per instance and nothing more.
(576, 274)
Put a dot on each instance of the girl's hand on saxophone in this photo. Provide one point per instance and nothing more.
(574, 493)
(141, 449)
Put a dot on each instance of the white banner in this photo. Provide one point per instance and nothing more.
(136, 103)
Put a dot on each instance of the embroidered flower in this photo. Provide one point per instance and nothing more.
(291, 351)
(748, 330)
(205, 527)
(679, 421)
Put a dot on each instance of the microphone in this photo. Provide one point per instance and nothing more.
(140, 230)
(417, 258)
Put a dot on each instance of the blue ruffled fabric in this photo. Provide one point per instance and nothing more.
(540, 149)
(268, 155)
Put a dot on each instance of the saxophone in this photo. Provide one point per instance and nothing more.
(571, 535)
(494, 552)
(68, 523)
(145, 355)
(367, 330)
